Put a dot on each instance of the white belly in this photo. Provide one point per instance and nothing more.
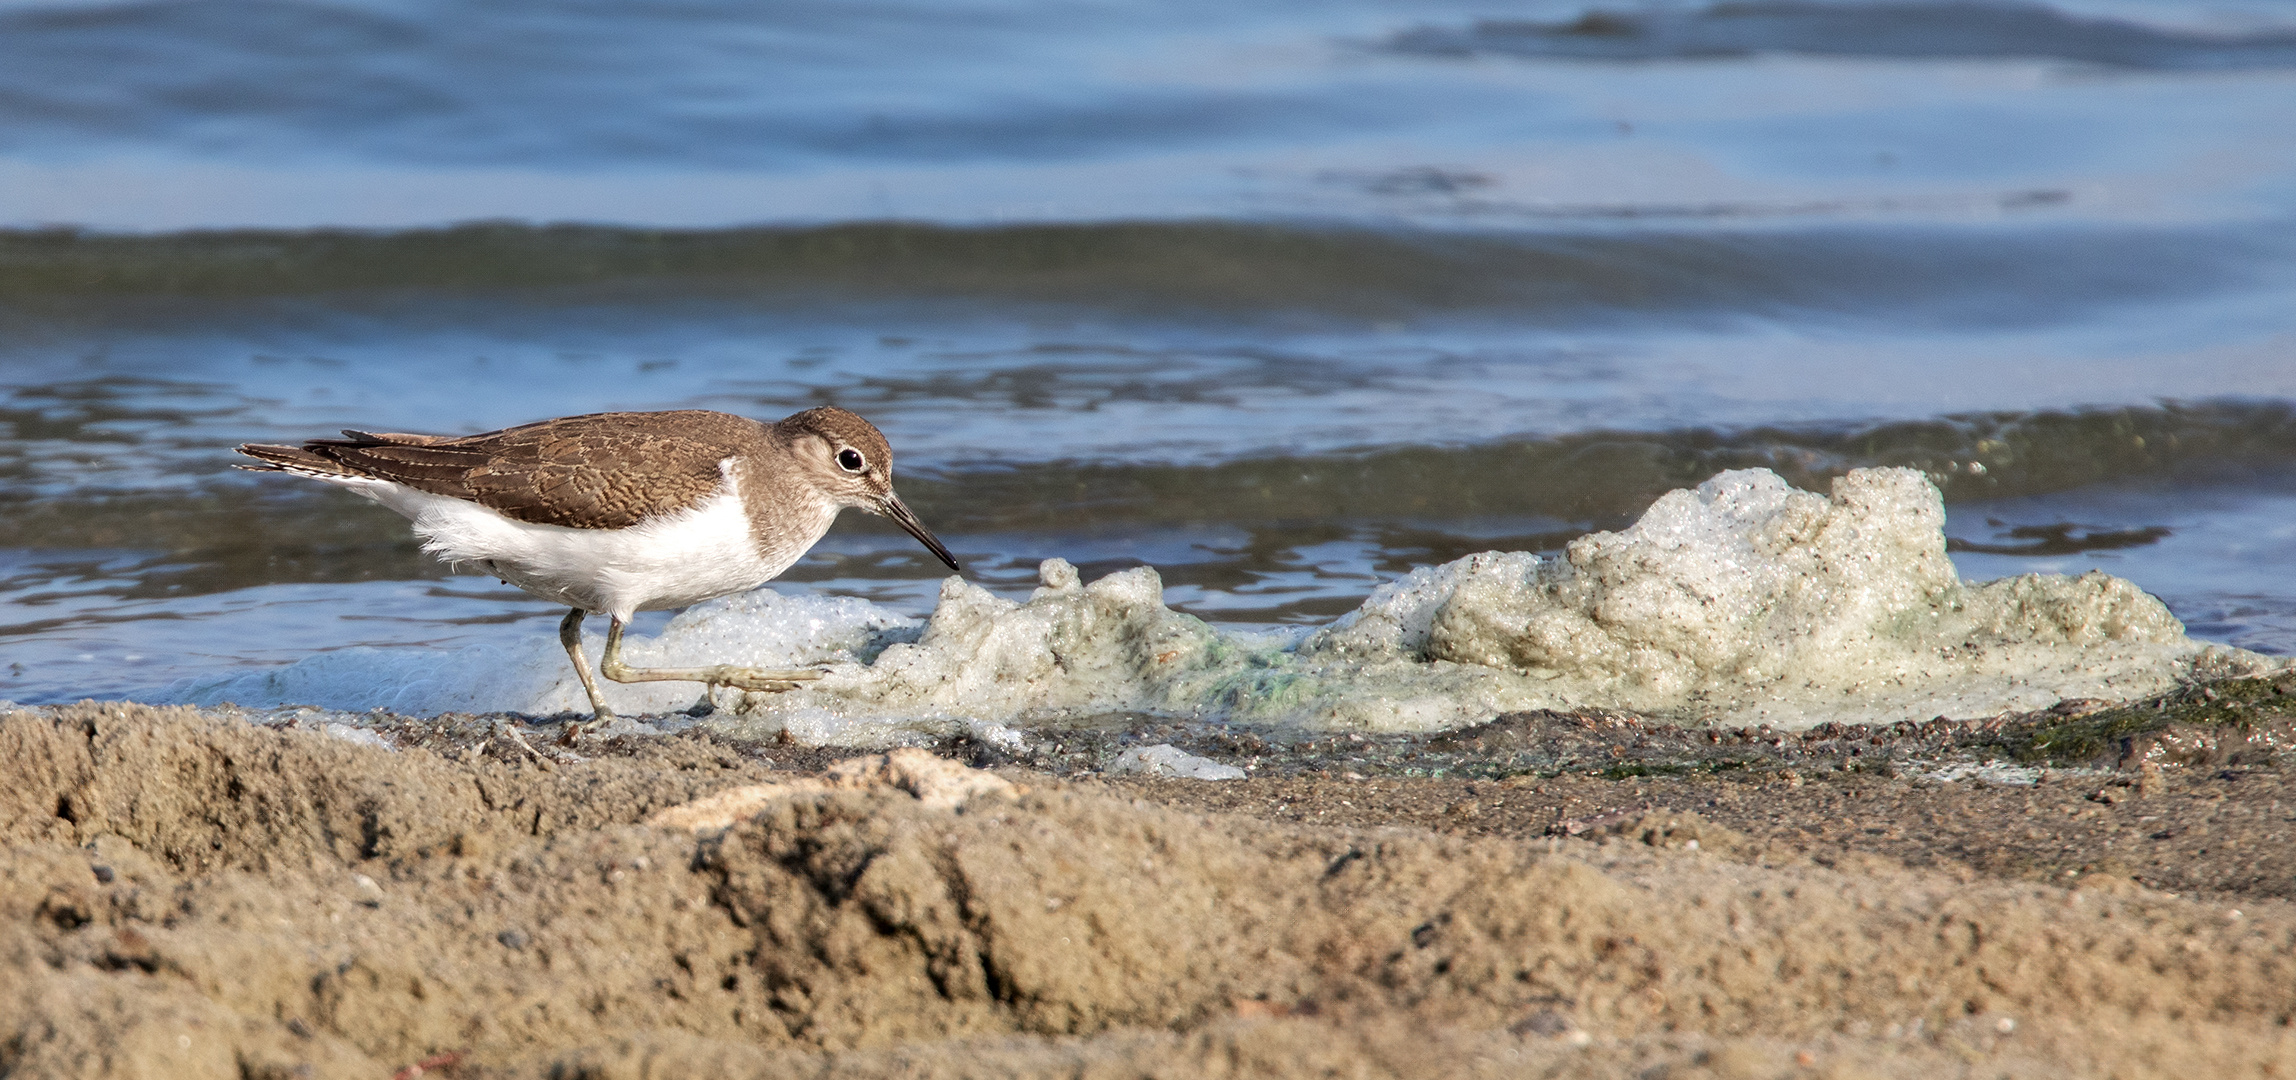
(665, 562)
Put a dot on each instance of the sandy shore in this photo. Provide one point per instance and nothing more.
(186, 895)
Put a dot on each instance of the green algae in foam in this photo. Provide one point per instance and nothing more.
(1743, 601)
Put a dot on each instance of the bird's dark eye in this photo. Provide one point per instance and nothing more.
(851, 460)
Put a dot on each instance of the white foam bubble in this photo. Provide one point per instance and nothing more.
(761, 628)
(1743, 601)
(351, 734)
(1165, 759)
(998, 735)
(1995, 772)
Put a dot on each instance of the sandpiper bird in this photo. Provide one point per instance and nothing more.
(618, 513)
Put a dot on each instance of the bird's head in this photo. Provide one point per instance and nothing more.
(847, 459)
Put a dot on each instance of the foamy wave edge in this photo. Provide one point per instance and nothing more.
(1741, 602)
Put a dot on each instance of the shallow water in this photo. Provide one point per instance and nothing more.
(1281, 299)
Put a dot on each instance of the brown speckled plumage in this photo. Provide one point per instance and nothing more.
(597, 471)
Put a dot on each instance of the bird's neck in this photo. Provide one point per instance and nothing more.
(787, 516)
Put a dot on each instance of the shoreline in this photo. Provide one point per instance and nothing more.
(1951, 795)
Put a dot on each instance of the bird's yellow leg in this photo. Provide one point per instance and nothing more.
(570, 635)
(742, 678)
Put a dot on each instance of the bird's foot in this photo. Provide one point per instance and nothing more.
(576, 729)
(756, 680)
(759, 681)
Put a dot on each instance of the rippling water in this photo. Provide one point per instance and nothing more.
(1280, 298)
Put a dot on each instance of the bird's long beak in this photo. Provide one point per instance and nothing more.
(891, 507)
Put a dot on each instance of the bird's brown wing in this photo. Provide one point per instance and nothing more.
(600, 471)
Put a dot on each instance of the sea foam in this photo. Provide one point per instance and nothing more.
(761, 628)
(1742, 602)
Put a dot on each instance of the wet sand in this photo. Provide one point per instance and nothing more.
(185, 894)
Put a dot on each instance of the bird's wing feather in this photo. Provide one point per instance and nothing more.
(399, 437)
(602, 471)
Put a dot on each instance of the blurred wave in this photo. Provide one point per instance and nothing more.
(708, 83)
(1948, 30)
(1972, 279)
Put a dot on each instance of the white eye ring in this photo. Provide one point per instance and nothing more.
(851, 460)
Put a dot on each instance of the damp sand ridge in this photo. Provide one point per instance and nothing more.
(188, 894)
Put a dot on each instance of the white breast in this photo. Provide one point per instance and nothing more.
(666, 562)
